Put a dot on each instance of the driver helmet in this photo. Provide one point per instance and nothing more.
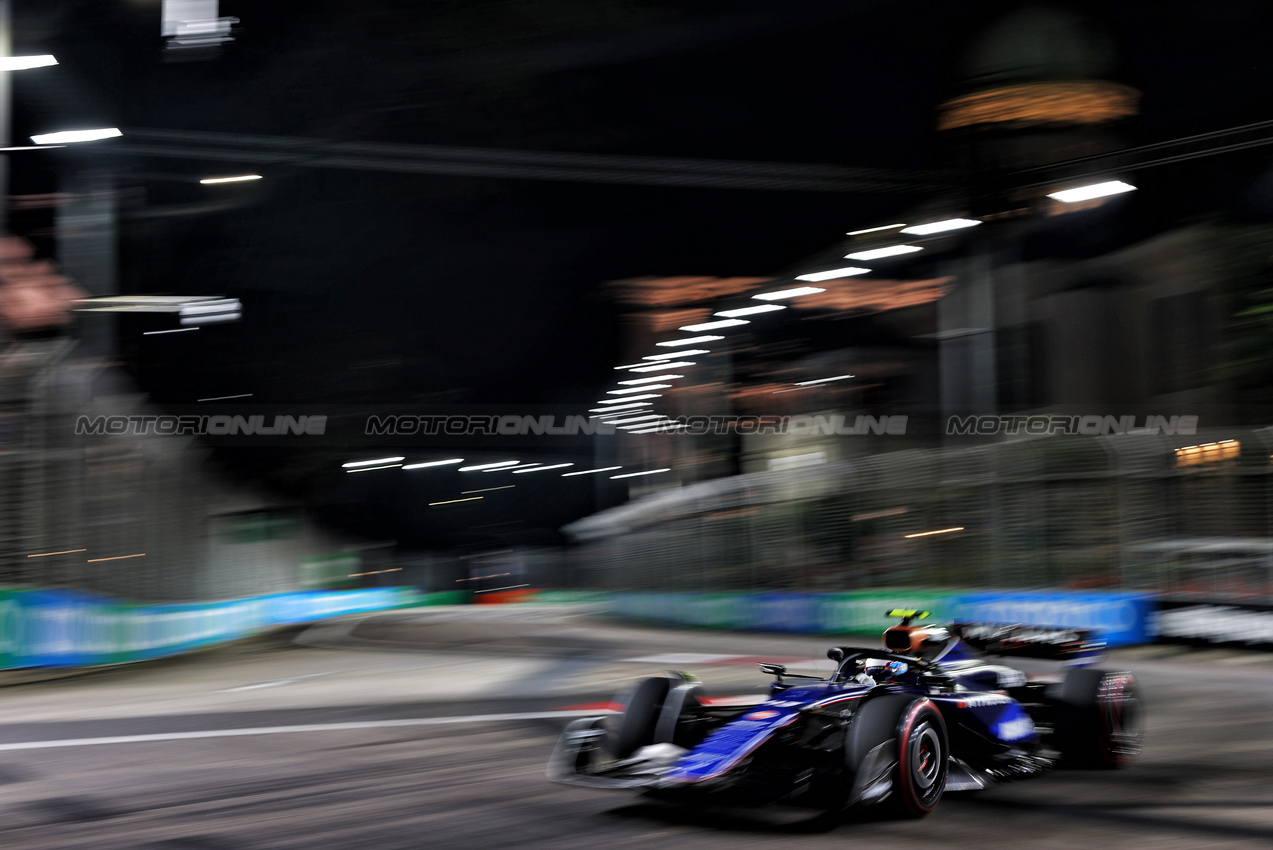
(886, 671)
(893, 669)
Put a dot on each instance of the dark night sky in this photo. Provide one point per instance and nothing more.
(372, 288)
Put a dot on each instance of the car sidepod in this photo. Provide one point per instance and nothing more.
(986, 725)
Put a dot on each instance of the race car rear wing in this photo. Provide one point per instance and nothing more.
(1017, 641)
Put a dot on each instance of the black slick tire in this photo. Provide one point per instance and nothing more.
(634, 727)
(1097, 719)
(920, 751)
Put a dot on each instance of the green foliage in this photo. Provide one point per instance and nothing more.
(1244, 266)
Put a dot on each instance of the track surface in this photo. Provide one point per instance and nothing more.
(347, 779)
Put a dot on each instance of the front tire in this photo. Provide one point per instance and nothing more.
(903, 739)
(634, 727)
(654, 712)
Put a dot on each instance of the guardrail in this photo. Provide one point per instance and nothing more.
(64, 628)
(1214, 622)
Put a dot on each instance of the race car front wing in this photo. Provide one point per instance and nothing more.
(579, 759)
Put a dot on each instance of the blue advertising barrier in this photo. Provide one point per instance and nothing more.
(794, 613)
(61, 628)
(1120, 618)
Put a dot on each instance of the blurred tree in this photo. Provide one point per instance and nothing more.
(1244, 264)
(32, 293)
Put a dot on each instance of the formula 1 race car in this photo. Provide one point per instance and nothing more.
(894, 727)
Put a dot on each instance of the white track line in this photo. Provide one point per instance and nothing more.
(281, 730)
(708, 658)
(684, 658)
(274, 683)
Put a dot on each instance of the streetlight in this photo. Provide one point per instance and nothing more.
(689, 340)
(23, 63)
(798, 292)
(639, 389)
(67, 137)
(711, 326)
(10, 63)
(747, 311)
(881, 253)
(652, 379)
(875, 229)
(832, 274)
(657, 367)
(1094, 190)
(241, 178)
(673, 354)
(353, 464)
(941, 226)
(428, 463)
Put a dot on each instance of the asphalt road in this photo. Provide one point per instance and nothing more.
(431, 729)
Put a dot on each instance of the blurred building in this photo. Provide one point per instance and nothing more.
(1116, 306)
(135, 516)
(1126, 511)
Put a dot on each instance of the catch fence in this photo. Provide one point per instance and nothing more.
(1185, 516)
(134, 517)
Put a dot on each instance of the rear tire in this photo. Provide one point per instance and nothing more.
(920, 751)
(1098, 719)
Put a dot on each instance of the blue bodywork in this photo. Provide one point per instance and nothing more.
(993, 716)
(796, 745)
(724, 748)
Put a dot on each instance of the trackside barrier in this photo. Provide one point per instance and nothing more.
(504, 597)
(1121, 618)
(1216, 622)
(570, 597)
(64, 628)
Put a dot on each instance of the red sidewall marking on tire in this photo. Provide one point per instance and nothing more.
(909, 798)
(1112, 693)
